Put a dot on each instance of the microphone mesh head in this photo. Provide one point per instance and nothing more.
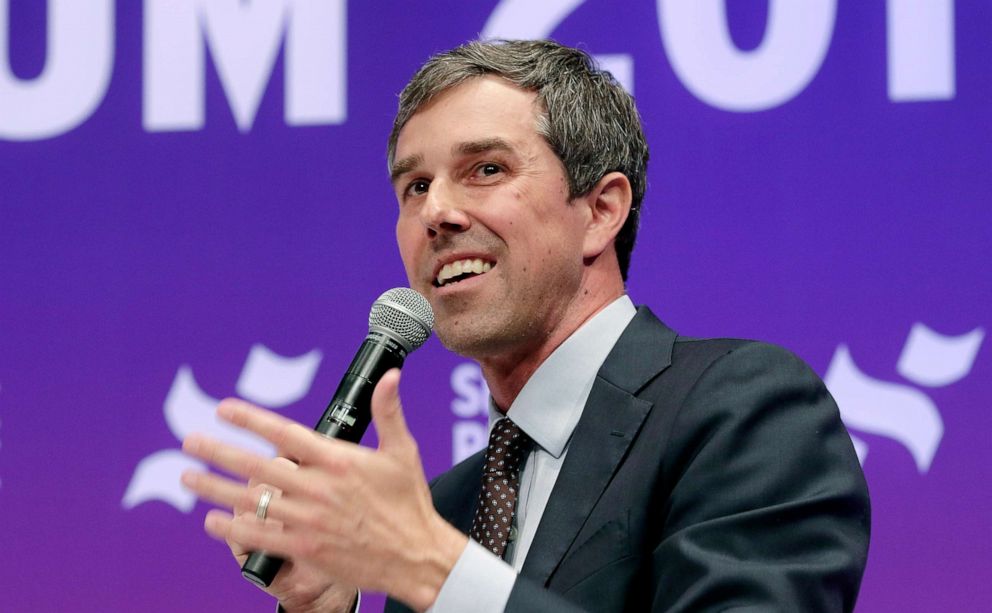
(405, 314)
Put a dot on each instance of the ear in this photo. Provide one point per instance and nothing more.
(608, 205)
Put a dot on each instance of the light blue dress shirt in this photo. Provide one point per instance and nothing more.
(547, 409)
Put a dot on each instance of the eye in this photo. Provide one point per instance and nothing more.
(417, 187)
(488, 169)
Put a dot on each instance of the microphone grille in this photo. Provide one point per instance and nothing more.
(405, 314)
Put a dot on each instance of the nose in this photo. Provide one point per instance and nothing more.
(442, 212)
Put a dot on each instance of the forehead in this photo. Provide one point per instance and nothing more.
(480, 108)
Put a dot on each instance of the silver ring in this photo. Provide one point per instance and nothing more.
(263, 504)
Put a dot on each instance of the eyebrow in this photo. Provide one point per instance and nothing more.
(482, 146)
(404, 166)
(401, 167)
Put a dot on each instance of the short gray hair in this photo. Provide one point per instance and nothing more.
(588, 119)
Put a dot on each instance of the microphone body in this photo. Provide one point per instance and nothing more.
(400, 321)
(349, 412)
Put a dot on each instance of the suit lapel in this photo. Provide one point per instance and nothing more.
(610, 421)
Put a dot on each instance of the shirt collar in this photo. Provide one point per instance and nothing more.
(550, 404)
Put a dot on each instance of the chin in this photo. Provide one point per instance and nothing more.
(458, 337)
(480, 340)
(463, 344)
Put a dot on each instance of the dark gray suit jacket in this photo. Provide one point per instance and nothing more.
(704, 475)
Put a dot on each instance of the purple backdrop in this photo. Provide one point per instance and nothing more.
(184, 217)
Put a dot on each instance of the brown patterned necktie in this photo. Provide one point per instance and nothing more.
(508, 446)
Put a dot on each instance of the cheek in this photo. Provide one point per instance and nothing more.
(406, 240)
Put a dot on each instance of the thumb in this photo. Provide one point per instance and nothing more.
(387, 414)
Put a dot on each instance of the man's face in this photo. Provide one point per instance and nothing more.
(485, 228)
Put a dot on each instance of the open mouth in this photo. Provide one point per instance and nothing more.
(459, 270)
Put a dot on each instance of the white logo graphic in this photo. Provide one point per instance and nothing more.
(471, 402)
(267, 378)
(898, 411)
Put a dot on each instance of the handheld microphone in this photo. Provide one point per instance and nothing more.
(399, 322)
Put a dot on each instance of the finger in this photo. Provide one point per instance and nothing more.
(280, 510)
(289, 464)
(387, 414)
(248, 535)
(290, 438)
(285, 463)
(249, 504)
(256, 488)
(216, 489)
(217, 517)
(227, 493)
(242, 463)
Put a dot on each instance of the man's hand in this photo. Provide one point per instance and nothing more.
(345, 516)
(299, 587)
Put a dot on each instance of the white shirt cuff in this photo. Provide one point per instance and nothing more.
(479, 582)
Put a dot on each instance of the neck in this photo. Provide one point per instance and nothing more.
(507, 373)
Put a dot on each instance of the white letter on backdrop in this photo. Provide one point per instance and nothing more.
(698, 43)
(920, 49)
(79, 59)
(244, 40)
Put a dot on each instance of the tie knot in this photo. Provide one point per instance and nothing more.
(507, 447)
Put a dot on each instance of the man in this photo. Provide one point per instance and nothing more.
(658, 472)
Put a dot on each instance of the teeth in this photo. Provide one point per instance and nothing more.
(460, 267)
